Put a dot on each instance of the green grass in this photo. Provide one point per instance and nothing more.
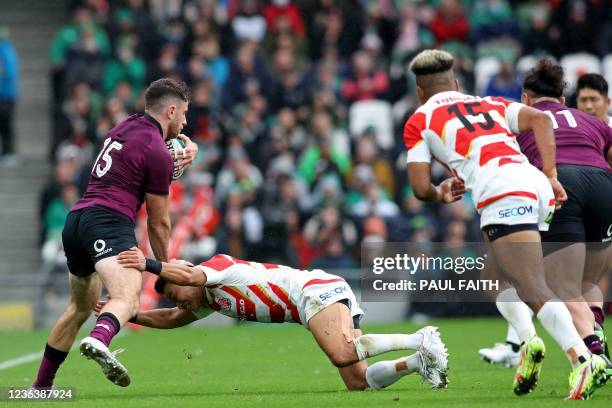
(281, 366)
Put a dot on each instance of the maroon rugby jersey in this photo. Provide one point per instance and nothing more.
(581, 139)
(134, 160)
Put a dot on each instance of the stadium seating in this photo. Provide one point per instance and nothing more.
(578, 64)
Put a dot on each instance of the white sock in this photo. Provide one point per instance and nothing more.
(512, 335)
(557, 321)
(384, 373)
(370, 345)
(517, 313)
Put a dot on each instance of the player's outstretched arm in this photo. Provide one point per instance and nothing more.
(183, 274)
(167, 318)
(178, 272)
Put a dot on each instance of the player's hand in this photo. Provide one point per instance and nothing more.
(559, 191)
(450, 190)
(181, 262)
(189, 153)
(99, 306)
(133, 258)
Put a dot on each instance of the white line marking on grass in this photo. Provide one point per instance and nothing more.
(14, 362)
(28, 358)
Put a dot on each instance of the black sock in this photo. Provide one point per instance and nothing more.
(54, 354)
(515, 347)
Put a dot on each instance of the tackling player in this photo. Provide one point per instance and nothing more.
(473, 136)
(271, 293)
(134, 165)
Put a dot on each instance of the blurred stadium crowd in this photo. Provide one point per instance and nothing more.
(297, 108)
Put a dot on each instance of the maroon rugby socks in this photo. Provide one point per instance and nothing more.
(599, 315)
(107, 326)
(52, 359)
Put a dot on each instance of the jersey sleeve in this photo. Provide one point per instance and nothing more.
(418, 150)
(216, 277)
(512, 112)
(159, 170)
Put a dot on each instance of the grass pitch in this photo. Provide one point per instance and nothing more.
(281, 366)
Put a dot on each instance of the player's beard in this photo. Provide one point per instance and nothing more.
(174, 129)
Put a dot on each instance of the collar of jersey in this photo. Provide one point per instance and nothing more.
(155, 122)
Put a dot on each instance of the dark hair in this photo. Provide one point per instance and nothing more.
(160, 91)
(160, 284)
(593, 81)
(545, 79)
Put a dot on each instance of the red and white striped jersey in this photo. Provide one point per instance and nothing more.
(255, 291)
(466, 133)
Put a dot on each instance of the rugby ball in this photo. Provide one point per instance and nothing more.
(178, 152)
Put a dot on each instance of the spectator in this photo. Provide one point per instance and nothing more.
(297, 250)
(167, 63)
(364, 83)
(127, 66)
(374, 202)
(239, 233)
(539, 38)
(145, 28)
(411, 208)
(83, 33)
(237, 172)
(331, 31)
(216, 65)
(288, 131)
(173, 31)
(65, 172)
(412, 34)
(249, 24)
(327, 155)
(374, 230)
(247, 77)
(506, 82)
(163, 10)
(284, 12)
(9, 83)
(334, 257)
(58, 209)
(450, 23)
(200, 118)
(328, 223)
(291, 90)
(282, 191)
(578, 24)
(491, 19)
(368, 154)
(75, 122)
